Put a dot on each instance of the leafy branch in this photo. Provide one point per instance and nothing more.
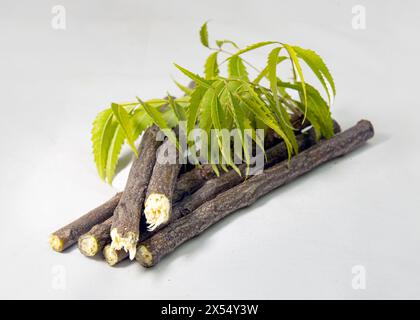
(229, 101)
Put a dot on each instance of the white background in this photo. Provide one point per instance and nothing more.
(300, 241)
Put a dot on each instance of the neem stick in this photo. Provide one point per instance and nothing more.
(213, 187)
(68, 235)
(112, 256)
(95, 240)
(126, 219)
(159, 196)
(168, 239)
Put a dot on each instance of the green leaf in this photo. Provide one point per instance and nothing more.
(183, 88)
(102, 132)
(321, 115)
(195, 77)
(264, 71)
(223, 137)
(239, 118)
(211, 69)
(170, 118)
(178, 110)
(283, 119)
(159, 120)
(194, 107)
(220, 43)
(322, 111)
(237, 69)
(254, 136)
(256, 106)
(272, 73)
(204, 118)
(296, 63)
(252, 47)
(124, 121)
(107, 139)
(156, 103)
(141, 120)
(113, 153)
(204, 35)
(318, 66)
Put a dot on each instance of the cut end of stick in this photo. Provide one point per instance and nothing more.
(157, 209)
(88, 245)
(110, 255)
(56, 243)
(145, 257)
(128, 243)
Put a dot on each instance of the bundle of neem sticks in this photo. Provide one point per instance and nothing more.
(164, 205)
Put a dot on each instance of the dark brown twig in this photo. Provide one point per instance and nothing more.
(159, 196)
(125, 231)
(96, 239)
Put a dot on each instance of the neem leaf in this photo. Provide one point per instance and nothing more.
(195, 77)
(204, 35)
(318, 66)
(194, 107)
(258, 107)
(141, 120)
(239, 118)
(113, 153)
(124, 121)
(159, 120)
(183, 88)
(211, 69)
(178, 110)
(272, 72)
(296, 63)
(204, 120)
(264, 71)
(220, 43)
(283, 118)
(252, 47)
(321, 115)
(237, 69)
(223, 136)
(102, 132)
